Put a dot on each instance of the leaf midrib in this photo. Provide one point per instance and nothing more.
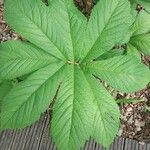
(95, 101)
(33, 59)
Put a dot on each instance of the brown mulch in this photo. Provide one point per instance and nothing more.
(135, 119)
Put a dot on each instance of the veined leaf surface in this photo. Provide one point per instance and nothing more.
(32, 97)
(107, 26)
(20, 58)
(121, 72)
(142, 42)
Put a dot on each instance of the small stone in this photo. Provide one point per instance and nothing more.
(129, 109)
(142, 143)
(138, 128)
(120, 132)
(139, 123)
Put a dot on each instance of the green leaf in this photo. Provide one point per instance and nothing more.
(78, 24)
(46, 26)
(132, 1)
(142, 23)
(19, 58)
(37, 25)
(72, 112)
(112, 53)
(145, 4)
(132, 51)
(5, 87)
(79, 114)
(34, 25)
(27, 100)
(106, 113)
(127, 37)
(107, 26)
(142, 42)
(134, 12)
(129, 33)
(141, 37)
(122, 73)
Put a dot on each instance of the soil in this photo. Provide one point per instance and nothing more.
(135, 118)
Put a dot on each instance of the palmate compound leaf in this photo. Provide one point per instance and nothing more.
(83, 108)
